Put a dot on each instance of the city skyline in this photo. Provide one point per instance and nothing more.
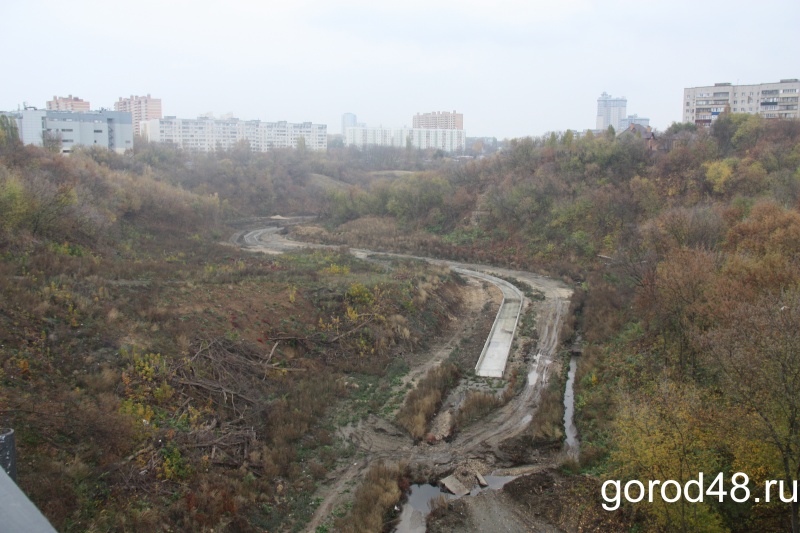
(515, 69)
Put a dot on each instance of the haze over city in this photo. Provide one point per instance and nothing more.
(513, 68)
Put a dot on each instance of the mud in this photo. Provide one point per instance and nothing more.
(478, 448)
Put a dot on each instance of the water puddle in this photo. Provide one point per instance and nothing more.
(418, 506)
(572, 444)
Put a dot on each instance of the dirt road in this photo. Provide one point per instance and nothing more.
(376, 438)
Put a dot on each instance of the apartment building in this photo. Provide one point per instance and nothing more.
(141, 108)
(702, 105)
(610, 111)
(348, 121)
(109, 129)
(625, 123)
(206, 134)
(438, 120)
(447, 140)
(70, 103)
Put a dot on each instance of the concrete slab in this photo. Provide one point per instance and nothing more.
(452, 484)
(493, 358)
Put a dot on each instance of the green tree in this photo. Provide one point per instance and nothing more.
(9, 134)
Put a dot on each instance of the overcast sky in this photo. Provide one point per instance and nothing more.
(512, 67)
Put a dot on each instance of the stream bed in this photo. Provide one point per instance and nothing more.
(420, 498)
(571, 445)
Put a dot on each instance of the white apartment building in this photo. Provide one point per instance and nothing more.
(447, 140)
(610, 111)
(140, 107)
(207, 134)
(109, 129)
(625, 123)
(702, 105)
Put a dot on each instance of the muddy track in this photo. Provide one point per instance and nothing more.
(375, 438)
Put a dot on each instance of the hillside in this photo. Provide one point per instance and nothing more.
(687, 262)
(158, 378)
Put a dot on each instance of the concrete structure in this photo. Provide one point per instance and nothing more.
(70, 103)
(438, 120)
(348, 121)
(447, 140)
(17, 512)
(206, 134)
(493, 358)
(141, 108)
(610, 111)
(625, 123)
(109, 129)
(702, 105)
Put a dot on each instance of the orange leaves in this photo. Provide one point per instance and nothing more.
(769, 229)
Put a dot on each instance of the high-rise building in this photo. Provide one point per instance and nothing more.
(140, 107)
(348, 121)
(610, 111)
(70, 103)
(439, 120)
(109, 129)
(702, 105)
(206, 134)
(624, 123)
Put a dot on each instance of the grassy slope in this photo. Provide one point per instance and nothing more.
(158, 379)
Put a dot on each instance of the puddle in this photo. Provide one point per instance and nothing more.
(497, 482)
(533, 375)
(570, 430)
(418, 506)
(421, 495)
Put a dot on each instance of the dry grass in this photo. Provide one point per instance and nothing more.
(475, 406)
(423, 402)
(547, 426)
(381, 490)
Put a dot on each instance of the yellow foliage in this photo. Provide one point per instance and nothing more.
(662, 436)
(718, 173)
(335, 269)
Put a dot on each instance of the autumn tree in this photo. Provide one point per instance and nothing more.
(9, 134)
(757, 355)
(663, 434)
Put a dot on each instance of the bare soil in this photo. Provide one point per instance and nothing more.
(483, 447)
(545, 501)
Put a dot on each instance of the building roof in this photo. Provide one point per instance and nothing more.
(641, 132)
